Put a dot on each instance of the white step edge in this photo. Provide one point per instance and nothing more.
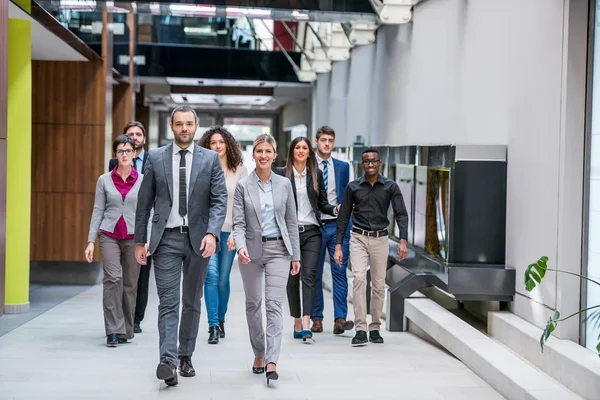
(503, 370)
(574, 366)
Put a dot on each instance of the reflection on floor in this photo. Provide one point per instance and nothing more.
(61, 355)
(41, 299)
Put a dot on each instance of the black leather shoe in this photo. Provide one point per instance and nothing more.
(375, 337)
(137, 328)
(122, 340)
(112, 340)
(167, 372)
(185, 367)
(360, 339)
(222, 328)
(213, 335)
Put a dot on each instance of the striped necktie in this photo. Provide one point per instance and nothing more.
(326, 175)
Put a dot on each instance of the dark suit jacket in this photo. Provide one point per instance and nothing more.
(319, 203)
(207, 199)
(113, 163)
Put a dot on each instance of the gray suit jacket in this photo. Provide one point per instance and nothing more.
(109, 206)
(247, 231)
(207, 201)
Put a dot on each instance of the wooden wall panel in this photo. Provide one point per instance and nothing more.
(67, 156)
(70, 93)
(61, 228)
(122, 108)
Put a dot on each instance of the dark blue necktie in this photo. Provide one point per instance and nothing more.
(182, 185)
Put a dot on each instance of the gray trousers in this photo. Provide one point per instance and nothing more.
(121, 272)
(173, 254)
(274, 265)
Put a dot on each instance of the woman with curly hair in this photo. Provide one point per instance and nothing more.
(216, 285)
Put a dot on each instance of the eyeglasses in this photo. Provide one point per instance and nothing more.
(370, 162)
(121, 152)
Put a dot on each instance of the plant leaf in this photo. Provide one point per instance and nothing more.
(534, 273)
(598, 349)
(550, 325)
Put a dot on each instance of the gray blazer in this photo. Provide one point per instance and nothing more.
(247, 230)
(109, 206)
(207, 201)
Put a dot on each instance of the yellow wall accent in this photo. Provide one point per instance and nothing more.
(18, 170)
(24, 4)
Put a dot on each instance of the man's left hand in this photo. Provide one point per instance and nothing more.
(209, 245)
(402, 250)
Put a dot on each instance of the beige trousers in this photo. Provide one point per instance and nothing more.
(121, 272)
(365, 251)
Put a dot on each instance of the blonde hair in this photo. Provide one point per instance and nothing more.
(265, 138)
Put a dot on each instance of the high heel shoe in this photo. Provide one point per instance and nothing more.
(307, 335)
(272, 376)
(258, 370)
(298, 335)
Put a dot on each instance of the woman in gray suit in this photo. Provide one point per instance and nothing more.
(265, 231)
(113, 219)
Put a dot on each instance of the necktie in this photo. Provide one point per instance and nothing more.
(326, 175)
(135, 162)
(182, 185)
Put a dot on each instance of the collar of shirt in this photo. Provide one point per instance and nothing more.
(141, 154)
(177, 149)
(299, 174)
(260, 182)
(320, 160)
(132, 175)
(362, 179)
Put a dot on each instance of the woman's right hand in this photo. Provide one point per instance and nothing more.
(89, 252)
(243, 256)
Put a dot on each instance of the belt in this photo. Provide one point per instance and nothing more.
(307, 228)
(374, 234)
(329, 220)
(269, 239)
(180, 229)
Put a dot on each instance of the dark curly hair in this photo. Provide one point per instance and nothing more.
(233, 150)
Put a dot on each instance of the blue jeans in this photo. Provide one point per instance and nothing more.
(216, 285)
(338, 274)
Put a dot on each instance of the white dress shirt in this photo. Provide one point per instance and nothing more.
(175, 219)
(331, 188)
(306, 214)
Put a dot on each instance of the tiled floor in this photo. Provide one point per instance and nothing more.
(61, 355)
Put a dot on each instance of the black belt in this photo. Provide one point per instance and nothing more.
(269, 239)
(307, 228)
(374, 234)
(329, 220)
(180, 229)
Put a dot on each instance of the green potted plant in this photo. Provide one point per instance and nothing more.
(533, 276)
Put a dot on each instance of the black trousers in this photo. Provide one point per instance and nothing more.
(141, 300)
(310, 250)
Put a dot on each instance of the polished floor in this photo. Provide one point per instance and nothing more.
(60, 354)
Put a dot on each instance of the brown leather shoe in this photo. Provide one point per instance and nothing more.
(185, 367)
(341, 325)
(317, 327)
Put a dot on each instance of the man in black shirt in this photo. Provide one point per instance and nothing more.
(367, 200)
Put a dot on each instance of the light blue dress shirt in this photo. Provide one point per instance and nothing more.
(140, 161)
(267, 211)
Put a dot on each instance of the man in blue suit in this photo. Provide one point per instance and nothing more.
(336, 174)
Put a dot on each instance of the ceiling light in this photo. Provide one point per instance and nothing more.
(236, 12)
(192, 9)
(299, 15)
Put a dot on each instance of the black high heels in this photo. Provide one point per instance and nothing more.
(272, 375)
(258, 370)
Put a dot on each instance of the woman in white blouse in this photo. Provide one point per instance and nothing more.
(311, 201)
(216, 285)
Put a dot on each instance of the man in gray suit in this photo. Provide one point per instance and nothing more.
(186, 186)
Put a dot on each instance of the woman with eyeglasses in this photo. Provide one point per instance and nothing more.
(113, 219)
(311, 200)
